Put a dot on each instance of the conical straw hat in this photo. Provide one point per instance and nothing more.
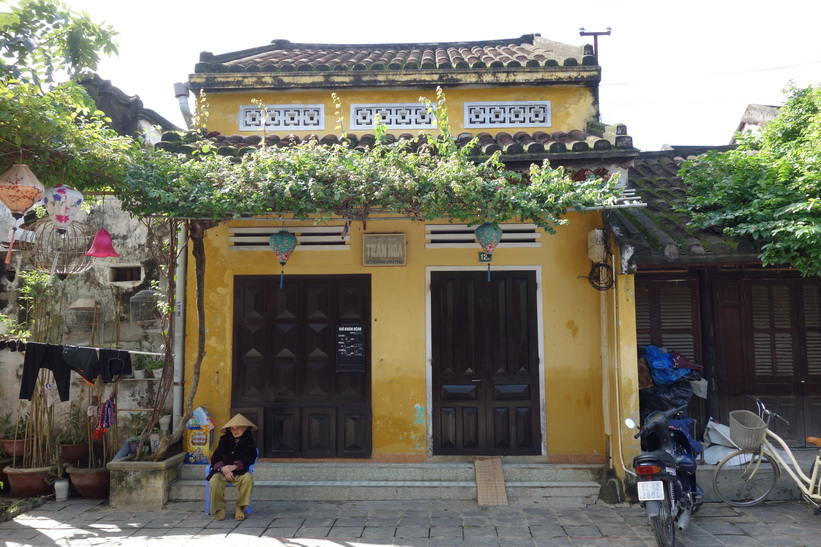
(239, 419)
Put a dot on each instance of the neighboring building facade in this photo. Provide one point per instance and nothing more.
(756, 330)
(386, 341)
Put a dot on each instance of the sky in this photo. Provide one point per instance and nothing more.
(678, 73)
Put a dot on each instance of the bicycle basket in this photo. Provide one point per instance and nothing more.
(747, 430)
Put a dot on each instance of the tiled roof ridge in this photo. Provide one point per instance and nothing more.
(97, 88)
(276, 44)
(529, 50)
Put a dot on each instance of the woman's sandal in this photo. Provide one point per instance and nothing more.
(239, 514)
(220, 515)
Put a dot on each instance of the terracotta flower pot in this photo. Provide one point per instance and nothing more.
(74, 454)
(14, 447)
(90, 483)
(30, 482)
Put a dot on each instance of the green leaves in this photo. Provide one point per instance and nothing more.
(769, 188)
(320, 182)
(41, 39)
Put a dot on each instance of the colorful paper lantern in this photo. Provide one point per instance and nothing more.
(62, 203)
(19, 191)
(283, 244)
(488, 235)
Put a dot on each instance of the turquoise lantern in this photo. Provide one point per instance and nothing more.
(489, 235)
(283, 244)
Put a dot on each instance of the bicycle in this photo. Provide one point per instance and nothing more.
(748, 475)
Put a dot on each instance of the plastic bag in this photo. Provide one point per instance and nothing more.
(662, 367)
(664, 398)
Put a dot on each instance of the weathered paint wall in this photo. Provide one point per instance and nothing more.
(114, 327)
(571, 106)
(571, 329)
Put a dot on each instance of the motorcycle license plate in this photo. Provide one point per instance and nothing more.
(651, 490)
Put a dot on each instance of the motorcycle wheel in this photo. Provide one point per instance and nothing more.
(744, 477)
(663, 525)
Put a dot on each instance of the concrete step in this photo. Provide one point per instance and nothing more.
(391, 481)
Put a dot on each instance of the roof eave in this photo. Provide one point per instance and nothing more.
(588, 76)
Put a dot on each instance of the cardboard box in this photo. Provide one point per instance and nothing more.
(199, 437)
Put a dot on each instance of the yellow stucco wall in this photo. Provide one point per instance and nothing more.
(570, 314)
(571, 107)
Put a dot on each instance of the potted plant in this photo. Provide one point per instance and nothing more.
(30, 473)
(93, 480)
(60, 481)
(155, 366)
(73, 439)
(13, 433)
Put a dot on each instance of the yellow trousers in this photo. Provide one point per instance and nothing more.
(243, 483)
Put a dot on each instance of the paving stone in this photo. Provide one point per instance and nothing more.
(379, 531)
(412, 531)
(446, 531)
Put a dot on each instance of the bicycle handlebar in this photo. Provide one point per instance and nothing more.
(764, 410)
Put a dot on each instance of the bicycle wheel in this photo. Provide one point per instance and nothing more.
(744, 477)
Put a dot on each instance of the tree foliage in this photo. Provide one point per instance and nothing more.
(769, 187)
(42, 39)
(61, 135)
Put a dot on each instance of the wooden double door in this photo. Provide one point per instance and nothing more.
(769, 345)
(302, 364)
(485, 363)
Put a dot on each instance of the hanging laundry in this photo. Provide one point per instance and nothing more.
(48, 356)
(113, 364)
(106, 417)
(83, 361)
(51, 393)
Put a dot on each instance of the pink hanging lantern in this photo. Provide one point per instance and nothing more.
(19, 191)
(101, 247)
(62, 203)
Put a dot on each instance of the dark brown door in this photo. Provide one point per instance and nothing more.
(485, 363)
(302, 363)
(769, 345)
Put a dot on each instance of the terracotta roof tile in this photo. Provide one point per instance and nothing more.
(530, 50)
(659, 234)
(518, 146)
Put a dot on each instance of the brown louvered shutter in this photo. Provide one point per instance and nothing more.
(772, 315)
(667, 315)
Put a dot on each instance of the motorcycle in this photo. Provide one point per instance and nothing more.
(666, 473)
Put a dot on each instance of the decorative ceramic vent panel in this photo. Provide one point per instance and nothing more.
(507, 114)
(283, 116)
(462, 236)
(394, 116)
(309, 238)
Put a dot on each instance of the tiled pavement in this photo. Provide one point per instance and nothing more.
(525, 522)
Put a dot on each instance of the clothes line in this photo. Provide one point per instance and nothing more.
(131, 351)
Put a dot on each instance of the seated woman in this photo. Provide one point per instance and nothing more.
(235, 453)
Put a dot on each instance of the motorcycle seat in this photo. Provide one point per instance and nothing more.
(814, 440)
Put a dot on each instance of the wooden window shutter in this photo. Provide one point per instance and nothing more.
(667, 315)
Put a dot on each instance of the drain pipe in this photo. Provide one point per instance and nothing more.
(179, 327)
(181, 92)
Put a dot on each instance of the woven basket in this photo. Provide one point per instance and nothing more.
(747, 430)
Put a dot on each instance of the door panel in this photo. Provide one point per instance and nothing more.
(288, 362)
(768, 333)
(485, 363)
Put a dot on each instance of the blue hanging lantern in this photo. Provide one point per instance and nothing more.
(488, 235)
(283, 244)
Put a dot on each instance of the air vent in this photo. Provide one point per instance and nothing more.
(450, 236)
(309, 238)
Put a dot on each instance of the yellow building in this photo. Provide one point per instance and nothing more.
(390, 339)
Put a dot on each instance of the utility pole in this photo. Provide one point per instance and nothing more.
(595, 35)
